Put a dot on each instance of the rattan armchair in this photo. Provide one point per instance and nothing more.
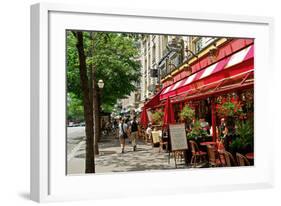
(196, 153)
(227, 159)
(213, 157)
(242, 160)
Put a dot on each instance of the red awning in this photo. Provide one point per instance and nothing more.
(235, 66)
(144, 118)
(215, 92)
(154, 101)
(169, 117)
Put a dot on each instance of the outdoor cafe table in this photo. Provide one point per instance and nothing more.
(204, 145)
(207, 143)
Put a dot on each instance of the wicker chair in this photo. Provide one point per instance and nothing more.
(196, 153)
(242, 160)
(213, 155)
(227, 159)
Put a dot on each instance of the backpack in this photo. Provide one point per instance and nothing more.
(134, 126)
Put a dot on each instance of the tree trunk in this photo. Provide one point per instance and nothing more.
(88, 111)
(96, 112)
(93, 97)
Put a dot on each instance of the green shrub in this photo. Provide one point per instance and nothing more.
(196, 131)
(157, 117)
(187, 113)
(245, 136)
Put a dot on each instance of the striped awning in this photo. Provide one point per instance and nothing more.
(233, 66)
(154, 101)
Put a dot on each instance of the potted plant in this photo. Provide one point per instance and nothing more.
(196, 132)
(244, 140)
(157, 117)
(231, 109)
(187, 114)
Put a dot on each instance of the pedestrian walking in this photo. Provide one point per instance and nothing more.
(134, 133)
(128, 123)
(123, 134)
(148, 133)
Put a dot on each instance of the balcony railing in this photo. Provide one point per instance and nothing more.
(163, 73)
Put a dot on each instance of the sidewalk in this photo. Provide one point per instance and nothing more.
(144, 158)
(111, 159)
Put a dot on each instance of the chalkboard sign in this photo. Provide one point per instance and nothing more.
(178, 137)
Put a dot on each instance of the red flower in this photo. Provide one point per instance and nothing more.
(229, 107)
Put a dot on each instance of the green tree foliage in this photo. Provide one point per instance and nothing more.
(115, 57)
(74, 108)
(72, 74)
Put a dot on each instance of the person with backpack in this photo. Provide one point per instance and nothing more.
(134, 133)
(123, 133)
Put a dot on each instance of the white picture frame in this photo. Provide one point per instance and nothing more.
(48, 178)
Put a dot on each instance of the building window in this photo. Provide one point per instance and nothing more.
(198, 45)
(145, 65)
(153, 54)
(164, 44)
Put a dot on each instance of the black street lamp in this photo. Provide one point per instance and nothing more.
(100, 86)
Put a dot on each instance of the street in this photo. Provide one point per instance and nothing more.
(110, 158)
(75, 135)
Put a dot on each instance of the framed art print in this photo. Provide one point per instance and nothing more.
(128, 98)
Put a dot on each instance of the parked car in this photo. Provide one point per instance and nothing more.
(82, 124)
(71, 124)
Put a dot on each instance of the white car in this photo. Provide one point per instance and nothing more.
(82, 124)
(71, 124)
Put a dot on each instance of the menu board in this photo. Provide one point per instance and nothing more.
(178, 137)
(155, 137)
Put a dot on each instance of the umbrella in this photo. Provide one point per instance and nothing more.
(144, 118)
(168, 113)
